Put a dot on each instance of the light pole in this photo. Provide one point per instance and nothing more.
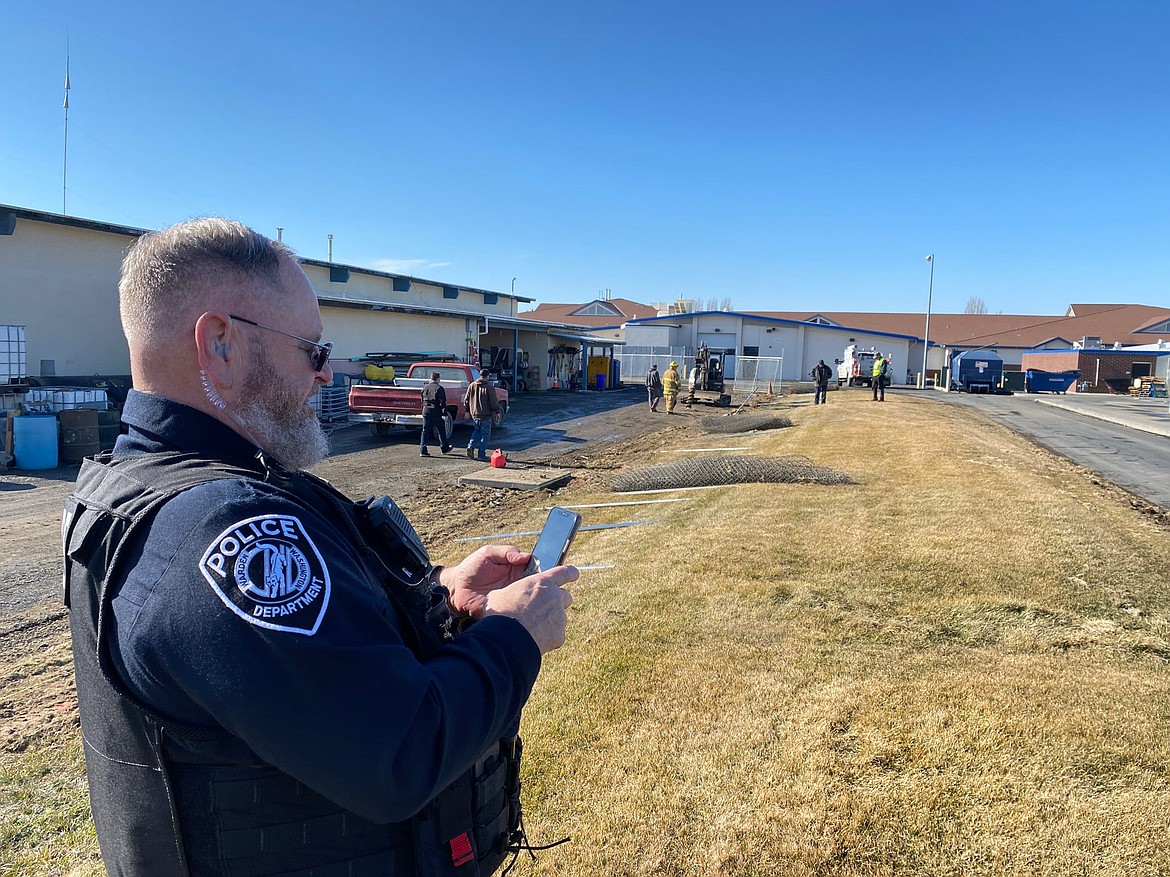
(513, 286)
(926, 333)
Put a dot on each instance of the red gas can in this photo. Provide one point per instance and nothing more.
(498, 459)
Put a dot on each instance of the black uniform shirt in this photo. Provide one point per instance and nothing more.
(434, 398)
(244, 610)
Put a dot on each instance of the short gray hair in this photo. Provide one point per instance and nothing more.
(167, 273)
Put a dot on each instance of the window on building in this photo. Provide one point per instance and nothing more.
(1140, 370)
(751, 351)
(1159, 328)
(597, 309)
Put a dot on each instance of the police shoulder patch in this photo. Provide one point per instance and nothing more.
(267, 570)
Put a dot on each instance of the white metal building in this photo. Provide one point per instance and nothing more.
(800, 344)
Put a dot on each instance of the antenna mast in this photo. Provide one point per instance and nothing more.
(65, 159)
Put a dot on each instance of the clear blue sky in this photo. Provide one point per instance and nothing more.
(792, 154)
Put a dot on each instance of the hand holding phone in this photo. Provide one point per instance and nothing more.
(541, 605)
(553, 544)
(486, 584)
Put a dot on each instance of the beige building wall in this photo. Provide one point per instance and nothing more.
(61, 282)
(355, 333)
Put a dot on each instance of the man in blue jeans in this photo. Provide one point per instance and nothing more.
(482, 405)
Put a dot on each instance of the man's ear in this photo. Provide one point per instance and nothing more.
(214, 348)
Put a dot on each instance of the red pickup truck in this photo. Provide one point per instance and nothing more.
(395, 405)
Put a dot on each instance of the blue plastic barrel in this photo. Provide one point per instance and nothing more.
(601, 382)
(34, 441)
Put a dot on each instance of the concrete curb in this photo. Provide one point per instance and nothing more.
(1146, 419)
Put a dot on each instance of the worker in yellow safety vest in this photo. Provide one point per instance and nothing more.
(671, 383)
(881, 368)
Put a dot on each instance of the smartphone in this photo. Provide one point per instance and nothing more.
(553, 544)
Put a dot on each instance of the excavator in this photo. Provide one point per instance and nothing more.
(706, 379)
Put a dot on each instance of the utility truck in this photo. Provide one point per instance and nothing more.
(394, 403)
(856, 369)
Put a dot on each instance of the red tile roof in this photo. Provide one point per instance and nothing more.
(1110, 322)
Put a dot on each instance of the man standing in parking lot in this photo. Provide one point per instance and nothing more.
(482, 405)
(434, 399)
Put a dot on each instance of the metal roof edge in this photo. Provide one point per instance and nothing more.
(592, 339)
(374, 272)
(1106, 351)
(74, 221)
(781, 320)
(331, 300)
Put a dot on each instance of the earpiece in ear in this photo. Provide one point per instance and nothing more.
(221, 349)
(212, 394)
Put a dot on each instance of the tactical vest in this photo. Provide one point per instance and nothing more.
(173, 799)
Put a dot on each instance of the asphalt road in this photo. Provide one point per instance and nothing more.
(1132, 459)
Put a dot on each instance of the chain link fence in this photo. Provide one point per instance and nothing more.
(757, 372)
(720, 470)
(636, 361)
(744, 422)
(751, 372)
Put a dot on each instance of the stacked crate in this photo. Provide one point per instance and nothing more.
(332, 404)
(57, 399)
(13, 383)
(13, 357)
(1148, 387)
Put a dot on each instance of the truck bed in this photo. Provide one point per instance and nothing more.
(400, 404)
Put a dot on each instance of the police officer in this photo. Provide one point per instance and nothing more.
(273, 679)
(434, 405)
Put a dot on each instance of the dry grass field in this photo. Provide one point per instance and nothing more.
(957, 665)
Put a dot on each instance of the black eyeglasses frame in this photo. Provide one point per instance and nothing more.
(318, 359)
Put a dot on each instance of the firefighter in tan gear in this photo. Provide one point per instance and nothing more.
(671, 384)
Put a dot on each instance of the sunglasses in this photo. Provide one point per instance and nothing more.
(318, 357)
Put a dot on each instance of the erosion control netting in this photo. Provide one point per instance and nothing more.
(708, 471)
(744, 422)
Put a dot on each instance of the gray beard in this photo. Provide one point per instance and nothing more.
(282, 422)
